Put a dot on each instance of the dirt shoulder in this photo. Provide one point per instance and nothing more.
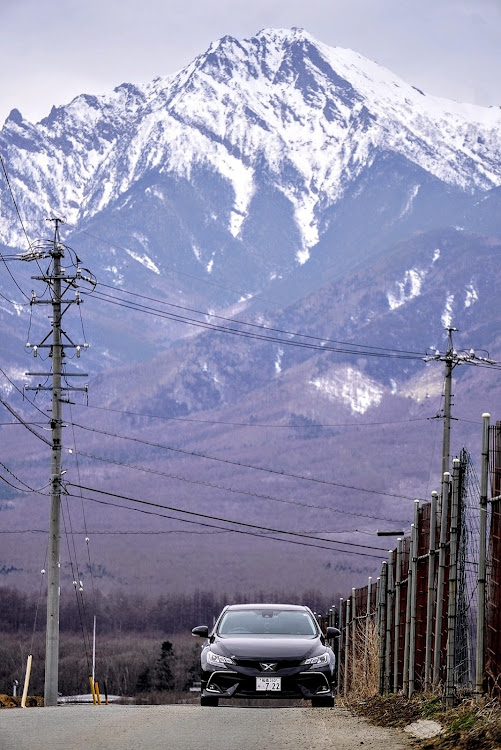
(467, 726)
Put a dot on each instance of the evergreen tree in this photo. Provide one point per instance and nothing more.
(164, 679)
(144, 681)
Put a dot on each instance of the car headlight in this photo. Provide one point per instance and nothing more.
(217, 660)
(317, 661)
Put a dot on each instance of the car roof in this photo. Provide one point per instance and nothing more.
(299, 607)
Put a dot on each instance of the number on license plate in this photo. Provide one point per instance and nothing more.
(268, 683)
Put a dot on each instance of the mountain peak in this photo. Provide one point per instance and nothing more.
(280, 107)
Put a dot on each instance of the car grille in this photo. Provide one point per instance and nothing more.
(257, 665)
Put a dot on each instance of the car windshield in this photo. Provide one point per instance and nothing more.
(267, 622)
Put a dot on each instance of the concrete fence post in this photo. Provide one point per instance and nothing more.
(413, 607)
(450, 683)
(353, 637)
(382, 623)
(367, 627)
(430, 601)
(440, 579)
(482, 569)
(389, 619)
(396, 636)
(346, 647)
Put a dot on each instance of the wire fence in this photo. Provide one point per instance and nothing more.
(432, 619)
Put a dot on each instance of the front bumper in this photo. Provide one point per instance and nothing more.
(240, 682)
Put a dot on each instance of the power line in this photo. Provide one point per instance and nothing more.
(183, 273)
(241, 464)
(291, 425)
(252, 335)
(25, 424)
(258, 326)
(22, 393)
(213, 485)
(15, 204)
(218, 518)
(213, 526)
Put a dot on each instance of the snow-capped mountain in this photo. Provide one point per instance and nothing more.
(293, 186)
(279, 115)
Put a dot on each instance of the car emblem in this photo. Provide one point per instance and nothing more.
(268, 667)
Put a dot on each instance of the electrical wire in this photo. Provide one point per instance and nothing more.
(241, 464)
(14, 202)
(258, 326)
(27, 486)
(259, 496)
(183, 273)
(25, 424)
(290, 425)
(87, 540)
(25, 398)
(206, 516)
(212, 526)
(257, 336)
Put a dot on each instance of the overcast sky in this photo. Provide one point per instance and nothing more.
(53, 50)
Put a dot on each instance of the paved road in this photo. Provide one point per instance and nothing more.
(191, 728)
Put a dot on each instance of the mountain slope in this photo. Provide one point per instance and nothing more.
(292, 187)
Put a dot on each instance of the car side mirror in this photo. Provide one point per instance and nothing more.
(332, 633)
(202, 631)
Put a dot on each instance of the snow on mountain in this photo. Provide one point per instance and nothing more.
(279, 107)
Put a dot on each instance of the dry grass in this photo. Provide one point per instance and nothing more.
(468, 726)
(363, 679)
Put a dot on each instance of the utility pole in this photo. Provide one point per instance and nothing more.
(451, 358)
(59, 284)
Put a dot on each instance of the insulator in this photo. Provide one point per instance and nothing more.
(78, 351)
(35, 351)
(77, 297)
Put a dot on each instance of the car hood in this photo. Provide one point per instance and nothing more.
(267, 648)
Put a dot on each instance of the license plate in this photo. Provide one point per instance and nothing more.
(268, 683)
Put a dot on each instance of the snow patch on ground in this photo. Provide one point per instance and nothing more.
(116, 273)
(471, 295)
(410, 200)
(446, 318)
(278, 361)
(411, 285)
(350, 387)
(407, 289)
(144, 260)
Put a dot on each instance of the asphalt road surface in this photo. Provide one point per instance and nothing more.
(188, 727)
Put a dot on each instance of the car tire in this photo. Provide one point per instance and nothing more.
(323, 702)
(209, 700)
